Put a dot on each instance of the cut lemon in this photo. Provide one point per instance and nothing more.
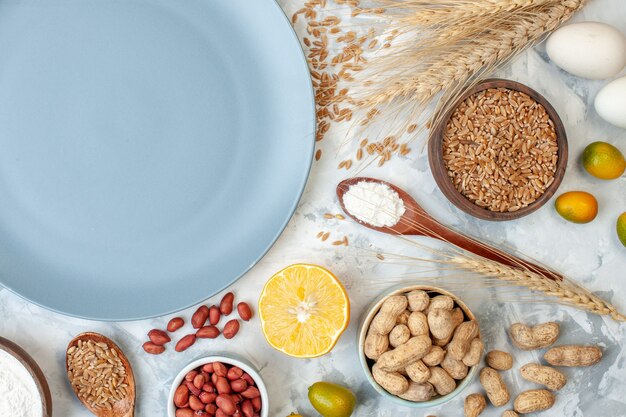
(303, 311)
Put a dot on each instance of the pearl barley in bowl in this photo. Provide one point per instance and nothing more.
(220, 386)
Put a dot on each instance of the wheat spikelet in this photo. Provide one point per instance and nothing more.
(565, 291)
(458, 62)
(425, 12)
(448, 46)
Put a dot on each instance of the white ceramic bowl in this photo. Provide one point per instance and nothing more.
(367, 363)
(227, 360)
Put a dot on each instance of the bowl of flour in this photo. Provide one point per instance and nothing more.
(24, 391)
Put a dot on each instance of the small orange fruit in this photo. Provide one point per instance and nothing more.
(304, 309)
(621, 228)
(603, 160)
(577, 206)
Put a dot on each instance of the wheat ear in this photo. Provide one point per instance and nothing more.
(425, 12)
(566, 291)
(480, 55)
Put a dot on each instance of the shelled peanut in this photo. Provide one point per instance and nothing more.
(159, 338)
(420, 346)
(217, 389)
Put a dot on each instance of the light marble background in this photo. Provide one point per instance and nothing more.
(589, 253)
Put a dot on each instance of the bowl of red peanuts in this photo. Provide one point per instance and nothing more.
(218, 386)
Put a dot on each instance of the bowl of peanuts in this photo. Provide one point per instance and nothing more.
(419, 345)
(499, 152)
(218, 386)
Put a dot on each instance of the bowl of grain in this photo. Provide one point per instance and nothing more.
(499, 152)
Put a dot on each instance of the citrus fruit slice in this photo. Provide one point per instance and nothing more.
(303, 310)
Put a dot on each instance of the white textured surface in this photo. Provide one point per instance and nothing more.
(590, 253)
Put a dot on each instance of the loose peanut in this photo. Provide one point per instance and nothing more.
(533, 401)
(441, 301)
(244, 311)
(538, 337)
(198, 381)
(220, 369)
(543, 375)
(181, 396)
(153, 349)
(475, 352)
(418, 392)
(385, 319)
(226, 403)
(455, 368)
(185, 342)
(510, 413)
(499, 360)
(418, 324)
(403, 318)
(247, 409)
(494, 386)
(199, 317)
(184, 412)
(399, 335)
(226, 305)
(474, 405)
(458, 317)
(444, 384)
(231, 328)
(239, 385)
(463, 336)
(573, 355)
(405, 354)
(375, 345)
(418, 300)
(175, 324)
(208, 332)
(222, 385)
(234, 373)
(418, 372)
(434, 357)
(250, 393)
(195, 403)
(440, 323)
(214, 315)
(392, 382)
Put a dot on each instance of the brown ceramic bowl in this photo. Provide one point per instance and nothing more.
(440, 172)
(34, 370)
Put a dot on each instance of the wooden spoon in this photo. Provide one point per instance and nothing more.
(416, 221)
(126, 406)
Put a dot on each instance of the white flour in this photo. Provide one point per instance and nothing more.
(374, 203)
(19, 396)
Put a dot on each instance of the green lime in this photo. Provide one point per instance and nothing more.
(331, 400)
(621, 228)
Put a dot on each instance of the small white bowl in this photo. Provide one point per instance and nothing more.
(366, 363)
(227, 360)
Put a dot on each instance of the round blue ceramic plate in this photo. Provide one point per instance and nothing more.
(151, 151)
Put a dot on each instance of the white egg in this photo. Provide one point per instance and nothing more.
(610, 102)
(588, 49)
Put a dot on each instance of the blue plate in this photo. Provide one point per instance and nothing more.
(151, 151)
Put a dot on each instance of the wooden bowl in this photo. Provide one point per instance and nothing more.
(366, 363)
(33, 369)
(440, 172)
